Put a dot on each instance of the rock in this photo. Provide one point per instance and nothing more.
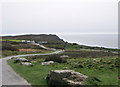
(20, 60)
(70, 82)
(26, 63)
(95, 60)
(64, 56)
(47, 63)
(66, 77)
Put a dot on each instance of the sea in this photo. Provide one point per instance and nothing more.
(95, 40)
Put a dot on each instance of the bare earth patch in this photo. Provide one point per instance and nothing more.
(29, 50)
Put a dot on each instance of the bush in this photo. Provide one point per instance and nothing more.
(56, 58)
(75, 44)
(8, 47)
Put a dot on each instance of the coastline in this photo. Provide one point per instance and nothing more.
(109, 41)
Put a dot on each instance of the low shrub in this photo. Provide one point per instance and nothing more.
(56, 58)
(87, 54)
(8, 47)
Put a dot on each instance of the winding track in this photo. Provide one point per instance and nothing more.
(9, 77)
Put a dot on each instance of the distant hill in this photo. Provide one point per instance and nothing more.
(54, 42)
(37, 37)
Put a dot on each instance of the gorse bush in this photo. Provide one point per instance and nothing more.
(56, 58)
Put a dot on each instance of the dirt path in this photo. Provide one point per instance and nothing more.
(42, 46)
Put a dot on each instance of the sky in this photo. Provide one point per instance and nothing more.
(58, 16)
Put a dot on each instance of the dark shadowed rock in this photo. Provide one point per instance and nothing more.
(20, 60)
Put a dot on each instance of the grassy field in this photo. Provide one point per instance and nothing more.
(104, 68)
(100, 63)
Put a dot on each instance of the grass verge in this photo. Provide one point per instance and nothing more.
(105, 69)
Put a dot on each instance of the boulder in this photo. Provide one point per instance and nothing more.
(47, 63)
(26, 63)
(65, 77)
(64, 56)
(20, 60)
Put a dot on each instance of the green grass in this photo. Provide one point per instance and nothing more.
(36, 74)
(10, 40)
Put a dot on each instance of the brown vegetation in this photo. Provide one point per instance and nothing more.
(29, 50)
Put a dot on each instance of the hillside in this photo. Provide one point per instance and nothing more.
(53, 41)
(37, 37)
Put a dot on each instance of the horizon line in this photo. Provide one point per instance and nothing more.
(69, 33)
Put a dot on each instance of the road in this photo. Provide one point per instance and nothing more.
(42, 46)
(9, 76)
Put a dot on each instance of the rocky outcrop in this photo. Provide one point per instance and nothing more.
(47, 63)
(66, 77)
(21, 60)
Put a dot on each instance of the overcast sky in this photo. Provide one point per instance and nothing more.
(59, 16)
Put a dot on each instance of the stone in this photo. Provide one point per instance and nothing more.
(95, 60)
(20, 60)
(26, 63)
(47, 63)
(66, 77)
(64, 56)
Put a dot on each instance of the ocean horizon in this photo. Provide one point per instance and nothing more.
(95, 40)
